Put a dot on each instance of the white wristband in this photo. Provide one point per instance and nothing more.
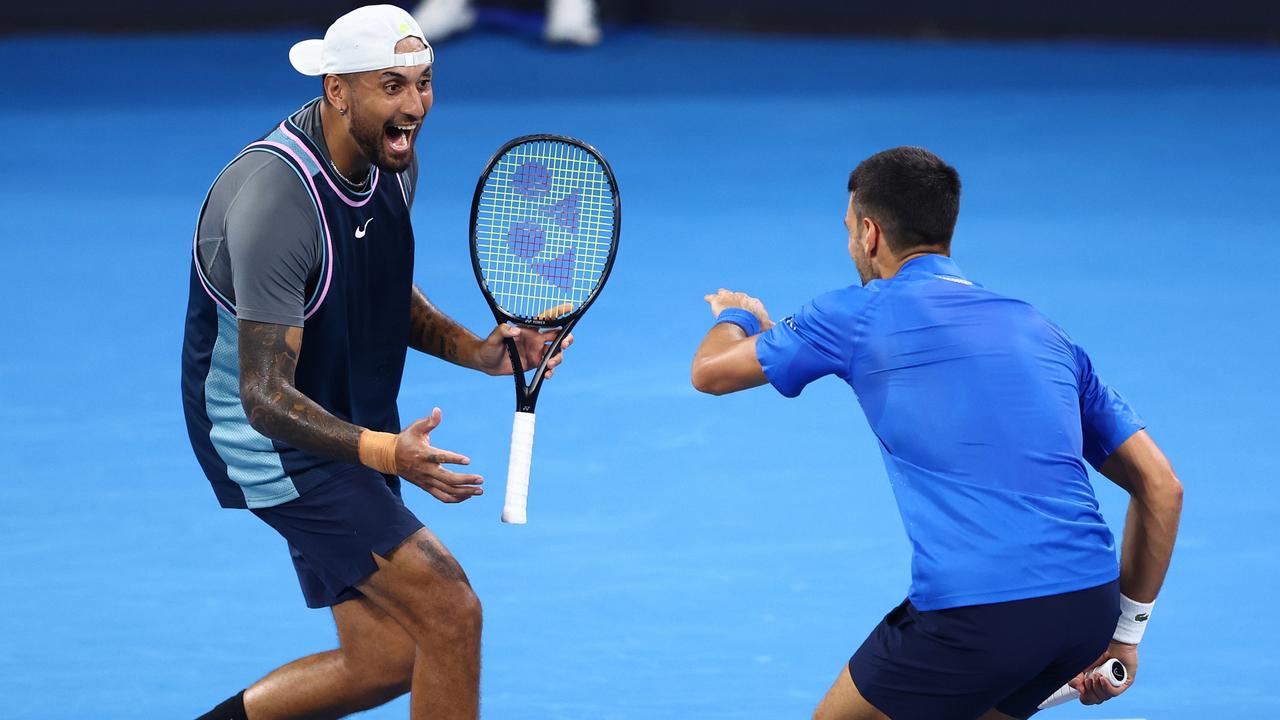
(1133, 620)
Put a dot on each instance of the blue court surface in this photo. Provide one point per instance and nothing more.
(686, 556)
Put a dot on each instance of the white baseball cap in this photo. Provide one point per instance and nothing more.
(363, 39)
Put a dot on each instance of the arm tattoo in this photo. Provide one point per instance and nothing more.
(434, 333)
(275, 408)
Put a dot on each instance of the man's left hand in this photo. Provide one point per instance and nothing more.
(722, 299)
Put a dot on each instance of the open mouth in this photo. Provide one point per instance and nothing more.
(400, 137)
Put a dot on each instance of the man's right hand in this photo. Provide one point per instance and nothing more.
(1095, 690)
(423, 465)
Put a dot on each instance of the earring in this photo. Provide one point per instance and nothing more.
(343, 112)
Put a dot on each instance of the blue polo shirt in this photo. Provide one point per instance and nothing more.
(986, 413)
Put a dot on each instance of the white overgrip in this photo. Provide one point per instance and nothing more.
(513, 507)
(1107, 671)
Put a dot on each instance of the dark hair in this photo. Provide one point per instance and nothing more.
(911, 193)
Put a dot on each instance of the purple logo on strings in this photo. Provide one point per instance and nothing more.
(532, 179)
(527, 238)
(565, 212)
(559, 270)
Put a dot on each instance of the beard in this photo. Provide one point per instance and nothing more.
(370, 137)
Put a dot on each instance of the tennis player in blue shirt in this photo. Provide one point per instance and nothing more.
(986, 413)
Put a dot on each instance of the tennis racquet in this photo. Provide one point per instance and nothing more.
(544, 233)
(1113, 671)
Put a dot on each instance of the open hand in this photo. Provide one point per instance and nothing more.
(423, 465)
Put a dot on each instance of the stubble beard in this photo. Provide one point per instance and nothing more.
(370, 139)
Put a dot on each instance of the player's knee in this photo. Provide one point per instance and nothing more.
(449, 608)
(466, 611)
(435, 592)
(452, 618)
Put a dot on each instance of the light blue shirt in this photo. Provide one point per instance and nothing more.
(985, 412)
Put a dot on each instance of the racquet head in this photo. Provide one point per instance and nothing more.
(544, 229)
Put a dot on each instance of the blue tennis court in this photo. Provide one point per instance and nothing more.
(686, 556)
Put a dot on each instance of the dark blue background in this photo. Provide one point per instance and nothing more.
(1240, 19)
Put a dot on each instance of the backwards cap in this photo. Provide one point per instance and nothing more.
(363, 39)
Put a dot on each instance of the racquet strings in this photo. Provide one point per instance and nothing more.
(544, 229)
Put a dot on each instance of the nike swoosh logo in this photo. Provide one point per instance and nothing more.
(360, 230)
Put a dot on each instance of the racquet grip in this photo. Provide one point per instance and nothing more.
(1106, 670)
(513, 507)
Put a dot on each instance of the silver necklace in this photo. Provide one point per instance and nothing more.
(356, 185)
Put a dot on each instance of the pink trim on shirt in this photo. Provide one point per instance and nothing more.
(373, 169)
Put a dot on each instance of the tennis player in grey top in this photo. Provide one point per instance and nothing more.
(308, 231)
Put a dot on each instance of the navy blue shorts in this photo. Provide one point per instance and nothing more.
(961, 662)
(336, 527)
